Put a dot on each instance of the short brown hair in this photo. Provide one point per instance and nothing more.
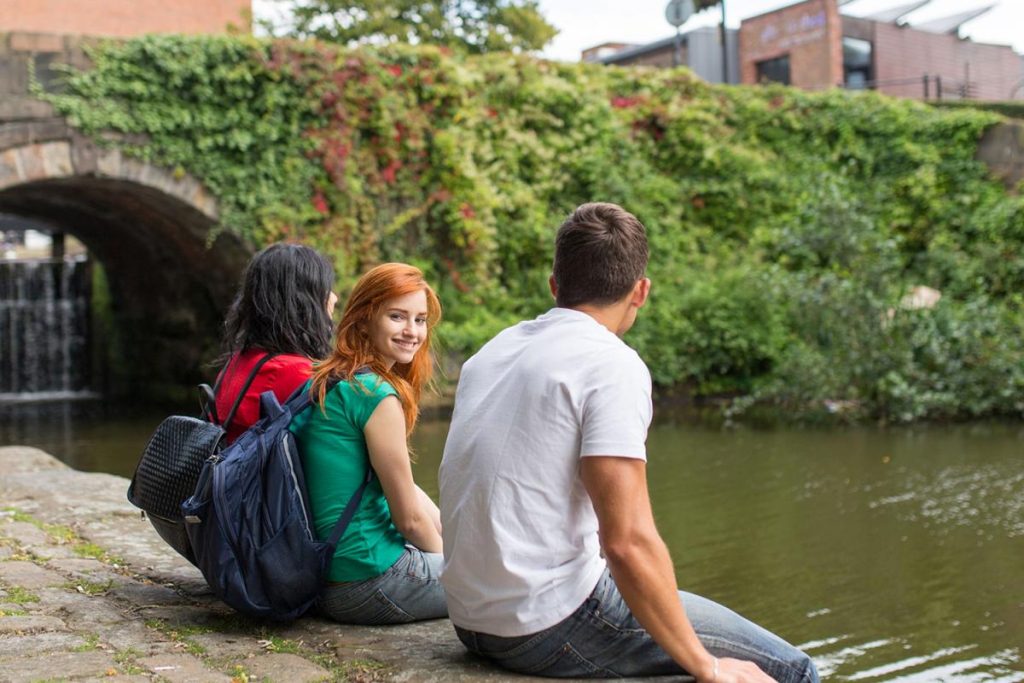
(600, 253)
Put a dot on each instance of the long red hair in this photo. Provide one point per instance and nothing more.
(353, 348)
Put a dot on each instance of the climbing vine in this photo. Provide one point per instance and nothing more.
(786, 227)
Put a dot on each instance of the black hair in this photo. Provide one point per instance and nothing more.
(282, 304)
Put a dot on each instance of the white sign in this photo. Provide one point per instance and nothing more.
(678, 11)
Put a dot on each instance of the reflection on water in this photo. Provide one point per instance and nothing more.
(88, 435)
(889, 555)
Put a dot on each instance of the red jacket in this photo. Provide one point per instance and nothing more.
(282, 374)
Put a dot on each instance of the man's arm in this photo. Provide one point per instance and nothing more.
(642, 568)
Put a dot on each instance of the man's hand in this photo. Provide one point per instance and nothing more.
(739, 671)
(642, 569)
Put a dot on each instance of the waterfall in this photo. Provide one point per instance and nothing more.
(44, 328)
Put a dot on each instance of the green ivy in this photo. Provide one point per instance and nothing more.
(785, 226)
(1013, 109)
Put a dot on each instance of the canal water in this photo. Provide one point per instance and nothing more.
(888, 554)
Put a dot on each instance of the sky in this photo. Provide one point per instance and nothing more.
(585, 23)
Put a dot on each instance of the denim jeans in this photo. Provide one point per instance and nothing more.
(601, 639)
(407, 591)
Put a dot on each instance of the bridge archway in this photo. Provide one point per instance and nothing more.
(170, 274)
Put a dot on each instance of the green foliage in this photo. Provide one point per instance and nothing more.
(16, 595)
(1013, 109)
(91, 644)
(473, 26)
(786, 227)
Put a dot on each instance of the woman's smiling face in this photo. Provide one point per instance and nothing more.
(400, 328)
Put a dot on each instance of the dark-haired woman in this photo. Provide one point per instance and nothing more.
(282, 314)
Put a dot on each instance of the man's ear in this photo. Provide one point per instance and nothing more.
(641, 290)
(553, 286)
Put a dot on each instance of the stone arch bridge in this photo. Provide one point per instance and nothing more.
(170, 274)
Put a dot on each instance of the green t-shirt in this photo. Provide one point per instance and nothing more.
(334, 456)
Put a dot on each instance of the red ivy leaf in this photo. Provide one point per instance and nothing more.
(320, 203)
(388, 174)
(625, 102)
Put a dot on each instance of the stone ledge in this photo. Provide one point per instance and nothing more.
(156, 613)
(22, 133)
(19, 108)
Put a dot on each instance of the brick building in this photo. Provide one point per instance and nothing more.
(902, 58)
(798, 45)
(811, 45)
(123, 18)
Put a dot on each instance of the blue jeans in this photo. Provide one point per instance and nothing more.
(407, 591)
(601, 639)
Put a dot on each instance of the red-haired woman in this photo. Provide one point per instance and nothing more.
(386, 566)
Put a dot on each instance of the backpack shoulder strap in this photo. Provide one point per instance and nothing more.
(300, 400)
(208, 394)
(224, 371)
(353, 504)
(350, 509)
(241, 394)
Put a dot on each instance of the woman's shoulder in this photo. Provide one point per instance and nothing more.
(287, 371)
(364, 386)
(290, 360)
(374, 384)
(357, 397)
(253, 355)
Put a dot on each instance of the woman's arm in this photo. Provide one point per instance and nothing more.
(431, 507)
(389, 456)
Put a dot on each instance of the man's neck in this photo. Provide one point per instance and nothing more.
(613, 317)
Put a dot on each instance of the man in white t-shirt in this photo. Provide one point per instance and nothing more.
(553, 565)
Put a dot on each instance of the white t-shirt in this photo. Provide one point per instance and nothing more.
(520, 534)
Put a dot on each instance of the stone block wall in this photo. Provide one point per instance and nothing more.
(1002, 150)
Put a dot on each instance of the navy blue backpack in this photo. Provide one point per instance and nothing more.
(249, 522)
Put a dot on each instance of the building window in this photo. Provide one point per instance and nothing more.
(857, 73)
(774, 70)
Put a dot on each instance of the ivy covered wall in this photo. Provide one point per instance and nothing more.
(786, 227)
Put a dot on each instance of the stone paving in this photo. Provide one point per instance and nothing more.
(88, 591)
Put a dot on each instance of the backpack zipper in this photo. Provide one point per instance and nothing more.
(295, 483)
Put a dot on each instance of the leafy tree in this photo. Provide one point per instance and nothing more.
(473, 26)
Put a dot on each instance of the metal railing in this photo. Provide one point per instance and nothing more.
(933, 87)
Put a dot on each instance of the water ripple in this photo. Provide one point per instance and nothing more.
(946, 664)
(909, 663)
(983, 497)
